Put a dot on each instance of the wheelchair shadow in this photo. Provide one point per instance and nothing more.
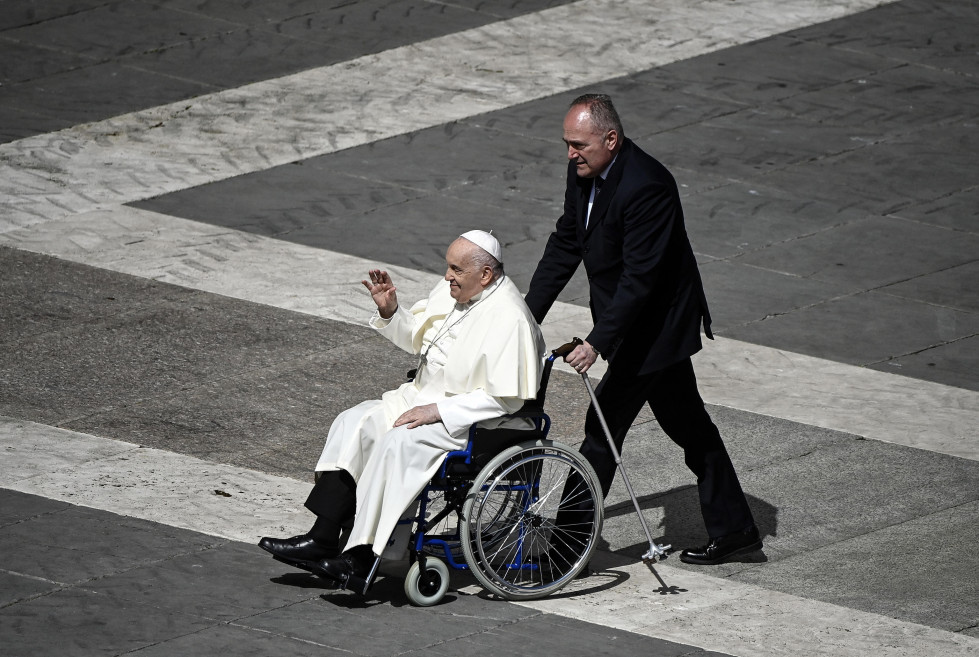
(387, 589)
(682, 523)
(299, 581)
(589, 583)
(681, 526)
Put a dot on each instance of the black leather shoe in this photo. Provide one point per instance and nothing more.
(723, 548)
(353, 569)
(301, 551)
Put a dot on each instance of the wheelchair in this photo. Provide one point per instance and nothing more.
(519, 510)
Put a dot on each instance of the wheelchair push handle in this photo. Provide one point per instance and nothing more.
(566, 348)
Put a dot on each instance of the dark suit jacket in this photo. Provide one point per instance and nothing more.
(647, 299)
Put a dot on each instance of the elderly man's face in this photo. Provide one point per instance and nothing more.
(588, 147)
(466, 279)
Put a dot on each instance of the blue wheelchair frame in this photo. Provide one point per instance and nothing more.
(455, 478)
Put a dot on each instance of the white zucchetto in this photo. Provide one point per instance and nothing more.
(486, 242)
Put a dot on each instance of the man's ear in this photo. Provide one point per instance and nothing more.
(611, 139)
(486, 276)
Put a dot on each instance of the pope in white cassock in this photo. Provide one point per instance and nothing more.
(481, 354)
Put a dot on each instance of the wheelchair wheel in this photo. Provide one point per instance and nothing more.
(428, 588)
(531, 520)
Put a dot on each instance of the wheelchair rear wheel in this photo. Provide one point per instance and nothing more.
(531, 520)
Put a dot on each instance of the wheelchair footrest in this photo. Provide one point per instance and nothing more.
(360, 585)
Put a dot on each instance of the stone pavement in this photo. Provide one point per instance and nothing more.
(180, 316)
(101, 584)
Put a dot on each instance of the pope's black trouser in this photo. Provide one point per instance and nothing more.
(334, 501)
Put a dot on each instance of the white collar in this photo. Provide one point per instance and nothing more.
(485, 292)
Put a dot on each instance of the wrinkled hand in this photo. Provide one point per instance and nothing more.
(419, 415)
(383, 292)
(582, 357)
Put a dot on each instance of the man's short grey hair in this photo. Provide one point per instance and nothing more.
(481, 258)
(603, 114)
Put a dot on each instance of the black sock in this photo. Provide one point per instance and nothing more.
(325, 532)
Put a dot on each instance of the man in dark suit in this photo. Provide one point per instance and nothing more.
(622, 218)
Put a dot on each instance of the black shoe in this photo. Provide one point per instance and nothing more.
(723, 548)
(353, 569)
(301, 551)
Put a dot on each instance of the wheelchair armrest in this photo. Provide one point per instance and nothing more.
(526, 412)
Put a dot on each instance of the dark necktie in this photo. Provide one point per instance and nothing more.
(599, 181)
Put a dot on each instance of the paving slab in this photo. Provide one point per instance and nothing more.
(69, 545)
(273, 419)
(910, 327)
(63, 622)
(114, 29)
(873, 252)
(937, 34)
(748, 217)
(882, 178)
(947, 287)
(20, 123)
(18, 13)
(48, 295)
(283, 200)
(733, 75)
(377, 25)
(958, 211)
(777, 293)
(951, 363)
(20, 62)
(889, 102)
(152, 352)
(236, 56)
(64, 99)
(272, 13)
(748, 143)
(857, 573)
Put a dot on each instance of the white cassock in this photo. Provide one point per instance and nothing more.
(481, 360)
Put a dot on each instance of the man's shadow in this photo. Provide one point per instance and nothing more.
(683, 526)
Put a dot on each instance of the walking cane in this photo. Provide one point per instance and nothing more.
(656, 551)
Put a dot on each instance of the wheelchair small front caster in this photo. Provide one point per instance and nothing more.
(427, 588)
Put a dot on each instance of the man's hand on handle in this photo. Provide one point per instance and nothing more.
(582, 357)
(383, 292)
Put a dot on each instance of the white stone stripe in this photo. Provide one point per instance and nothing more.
(255, 127)
(748, 377)
(239, 504)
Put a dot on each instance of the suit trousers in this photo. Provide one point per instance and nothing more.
(675, 401)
